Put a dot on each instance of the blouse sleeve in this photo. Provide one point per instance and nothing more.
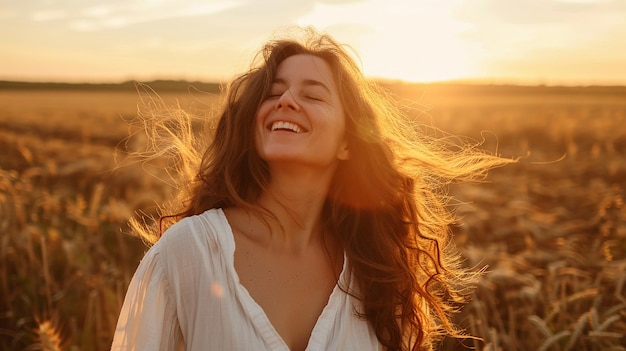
(148, 319)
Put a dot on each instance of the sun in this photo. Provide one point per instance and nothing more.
(417, 41)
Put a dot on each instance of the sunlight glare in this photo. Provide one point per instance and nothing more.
(216, 290)
(407, 40)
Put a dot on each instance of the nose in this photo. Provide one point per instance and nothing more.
(287, 100)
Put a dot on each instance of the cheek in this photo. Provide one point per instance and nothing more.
(341, 125)
(259, 121)
(262, 113)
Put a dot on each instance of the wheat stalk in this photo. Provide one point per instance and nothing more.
(607, 322)
(541, 325)
(48, 337)
(582, 321)
(555, 338)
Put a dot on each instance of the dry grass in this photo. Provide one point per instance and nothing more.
(552, 233)
(551, 229)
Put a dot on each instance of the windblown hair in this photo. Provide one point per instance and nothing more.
(386, 207)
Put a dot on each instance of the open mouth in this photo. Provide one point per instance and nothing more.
(287, 126)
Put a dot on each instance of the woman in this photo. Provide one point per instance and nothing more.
(314, 221)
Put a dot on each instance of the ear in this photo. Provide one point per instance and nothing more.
(344, 152)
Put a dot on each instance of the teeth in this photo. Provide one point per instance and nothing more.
(286, 125)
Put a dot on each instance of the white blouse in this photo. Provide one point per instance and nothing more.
(186, 295)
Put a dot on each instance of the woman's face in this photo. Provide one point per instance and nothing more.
(301, 121)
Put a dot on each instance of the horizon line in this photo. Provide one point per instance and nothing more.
(6, 83)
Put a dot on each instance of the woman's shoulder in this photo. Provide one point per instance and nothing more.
(209, 219)
(196, 233)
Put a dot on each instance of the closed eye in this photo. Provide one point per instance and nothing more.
(274, 96)
(314, 98)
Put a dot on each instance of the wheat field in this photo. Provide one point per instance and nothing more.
(551, 229)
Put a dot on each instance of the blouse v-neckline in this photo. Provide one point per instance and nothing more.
(258, 316)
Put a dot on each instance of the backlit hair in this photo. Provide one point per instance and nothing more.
(386, 207)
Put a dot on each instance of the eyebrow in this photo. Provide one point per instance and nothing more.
(306, 82)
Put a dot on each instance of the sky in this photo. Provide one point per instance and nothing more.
(552, 42)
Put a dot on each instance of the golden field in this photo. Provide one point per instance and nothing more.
(551, 229)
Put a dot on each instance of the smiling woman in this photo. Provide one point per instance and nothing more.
(303, 99)
(312, 221)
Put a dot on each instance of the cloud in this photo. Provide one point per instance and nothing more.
(48, 15)
(339, 2)
(520, 25)
(99, 11)
(528, 12)
(108, 17)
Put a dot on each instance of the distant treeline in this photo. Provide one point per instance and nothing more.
(396, 86)
(448, 88)
(157, 85)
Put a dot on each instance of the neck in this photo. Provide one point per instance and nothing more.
(296, 199)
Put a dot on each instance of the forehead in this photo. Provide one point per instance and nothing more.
(305, 67)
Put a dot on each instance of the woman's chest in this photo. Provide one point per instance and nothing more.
(292, 290)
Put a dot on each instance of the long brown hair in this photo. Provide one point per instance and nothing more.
(386, 206)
